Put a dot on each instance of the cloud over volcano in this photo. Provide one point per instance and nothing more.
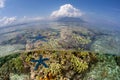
(66, 10)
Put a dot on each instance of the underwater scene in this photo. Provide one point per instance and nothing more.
(59, 40)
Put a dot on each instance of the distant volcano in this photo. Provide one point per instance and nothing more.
(70, 19)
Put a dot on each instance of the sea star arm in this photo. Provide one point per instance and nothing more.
(40, 58)
(45, 59)
(46, 66)
(34, 60)
(37, 65)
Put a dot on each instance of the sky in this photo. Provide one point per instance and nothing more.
(91, 10)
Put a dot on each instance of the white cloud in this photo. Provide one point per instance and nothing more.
(66, 10)
(25, 18)
(15, 20)
(7, 20)
(2, 3)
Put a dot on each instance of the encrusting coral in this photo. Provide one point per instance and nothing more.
(62, 64)
(78, 65)
(59, 63)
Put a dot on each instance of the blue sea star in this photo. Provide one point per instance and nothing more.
(40, 61)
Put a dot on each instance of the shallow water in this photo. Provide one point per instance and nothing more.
(14, 38)
(53, 38)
